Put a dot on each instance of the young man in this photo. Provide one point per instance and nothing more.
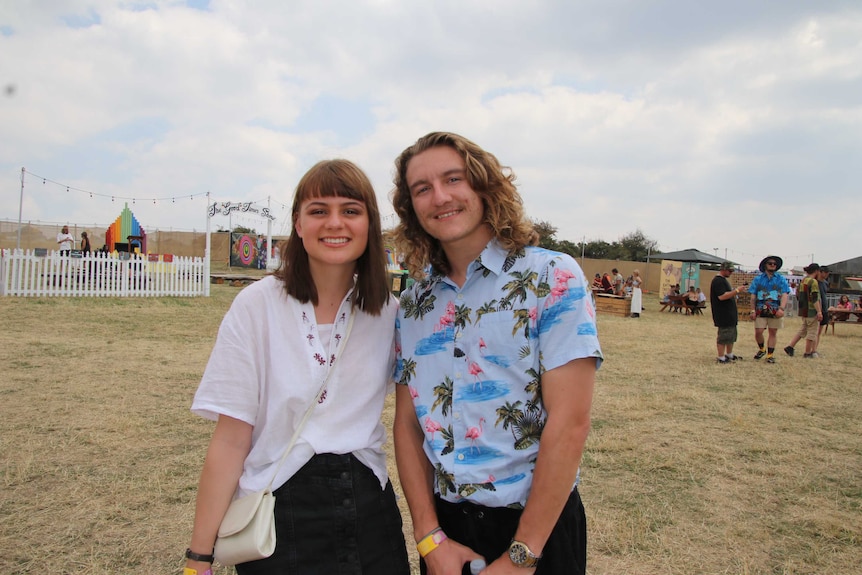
(823, 282)
(722, 299)
(823, 286)
(618, 282)
(810, 310)
(770, 292)
(497, 358)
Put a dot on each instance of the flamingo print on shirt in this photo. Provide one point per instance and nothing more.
(474, 433)
(432, 427)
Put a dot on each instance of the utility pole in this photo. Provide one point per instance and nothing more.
(20, 209)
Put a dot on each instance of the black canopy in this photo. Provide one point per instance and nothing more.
(690, 255)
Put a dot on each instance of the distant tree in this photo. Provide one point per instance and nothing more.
(631, 247)
(599, 250)
(547, 233)
(635, 246)
(570, 248)
(244, 230)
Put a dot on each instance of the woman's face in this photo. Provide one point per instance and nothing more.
(334, 230)
(844, 299)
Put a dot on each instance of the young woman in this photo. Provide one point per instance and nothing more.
(335, 508)
(85, 244)
(844, 304)
(637, 293)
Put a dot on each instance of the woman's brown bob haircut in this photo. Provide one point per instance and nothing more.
(337, 179)
(494, 184)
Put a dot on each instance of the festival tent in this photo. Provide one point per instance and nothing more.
(126, 233)
(690, 255)
(692, 258)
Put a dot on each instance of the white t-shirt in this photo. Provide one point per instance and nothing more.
(266, 367)
(65, 241)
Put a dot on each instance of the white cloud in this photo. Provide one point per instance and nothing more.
(699, 126)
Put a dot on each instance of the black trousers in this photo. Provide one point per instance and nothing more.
(332, 518)
(489, 530)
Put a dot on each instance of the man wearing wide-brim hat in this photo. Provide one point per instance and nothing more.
(769, 292)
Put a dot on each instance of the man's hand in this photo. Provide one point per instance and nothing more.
(450, 557)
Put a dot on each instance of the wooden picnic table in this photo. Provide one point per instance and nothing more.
(835, 313)
(679, 302)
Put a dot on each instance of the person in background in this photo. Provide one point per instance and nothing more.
(637, 294)
(85, 244)
(498, 354)
(618, 282)
(335, 509)
(843, 304)
(66, 241)
(769, 292)
(597, 283)
(690, 300)
(701, 297)
(823, 281)
(810, 310)
(607, 284)
(722, 299)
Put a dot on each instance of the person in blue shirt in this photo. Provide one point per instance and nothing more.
(769, 292)
(497, 354)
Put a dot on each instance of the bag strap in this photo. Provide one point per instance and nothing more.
(295, 437)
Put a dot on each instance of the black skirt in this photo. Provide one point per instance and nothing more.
(332, 518)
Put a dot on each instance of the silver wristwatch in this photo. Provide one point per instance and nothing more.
(521, 555)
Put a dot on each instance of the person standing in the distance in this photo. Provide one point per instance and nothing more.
(637, 294)
(769, 292)
(810, 311)
(85, 244)
(725, 316)
(498, 354)
(335, 509)
(823, 284)
(607, 284)
(66, 241)
(619, 282)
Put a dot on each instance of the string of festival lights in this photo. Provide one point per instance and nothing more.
(135, 199)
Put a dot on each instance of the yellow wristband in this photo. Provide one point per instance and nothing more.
(431, 541)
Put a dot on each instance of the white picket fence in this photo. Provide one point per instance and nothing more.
(24, 273)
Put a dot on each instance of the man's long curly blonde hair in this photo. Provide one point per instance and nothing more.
(492, 182)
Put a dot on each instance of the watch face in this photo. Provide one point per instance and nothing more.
(518, 553)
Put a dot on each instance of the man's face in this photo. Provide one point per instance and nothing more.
(771, 266)
(445, 204)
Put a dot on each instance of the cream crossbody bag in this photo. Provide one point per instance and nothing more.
(247, 531)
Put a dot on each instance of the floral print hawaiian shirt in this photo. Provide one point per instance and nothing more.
(473, 359)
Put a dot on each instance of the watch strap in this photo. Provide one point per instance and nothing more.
(199, 556)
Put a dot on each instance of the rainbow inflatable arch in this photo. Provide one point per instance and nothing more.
(117, 235)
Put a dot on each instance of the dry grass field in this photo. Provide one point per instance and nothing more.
(691, 467)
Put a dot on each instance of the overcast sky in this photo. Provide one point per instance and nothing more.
(733, 127)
